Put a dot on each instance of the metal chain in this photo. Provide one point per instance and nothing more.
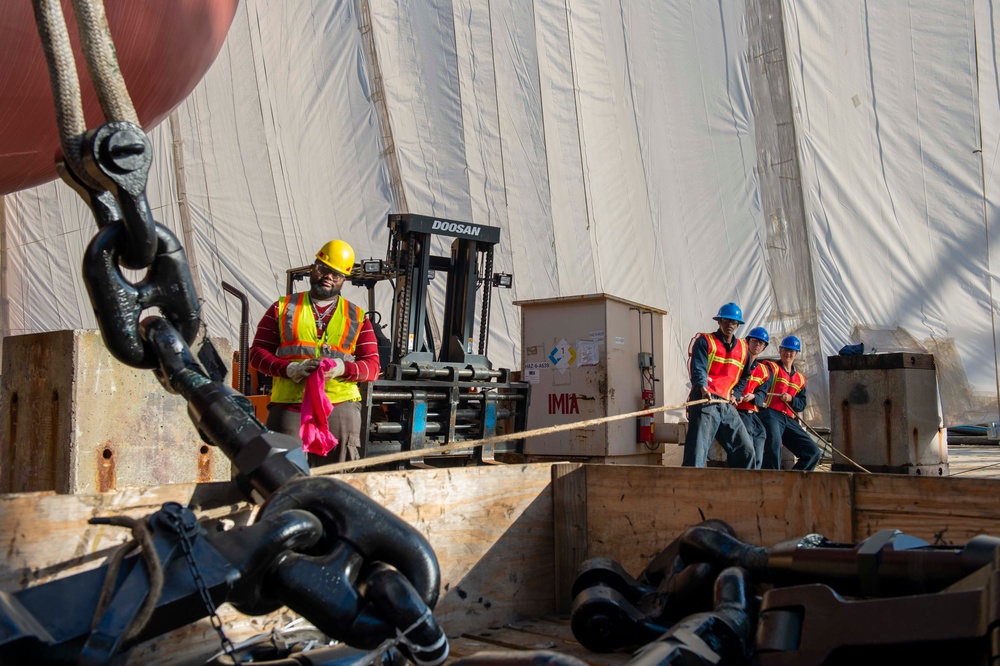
(199, 580)
(484, 313)
(109, 167)
(403, 305)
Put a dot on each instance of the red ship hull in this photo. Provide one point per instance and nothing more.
(164, 49)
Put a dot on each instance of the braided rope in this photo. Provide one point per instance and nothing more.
(454, 446)
(102, 64)
(102, 61)
(832, 448)
(52, 31)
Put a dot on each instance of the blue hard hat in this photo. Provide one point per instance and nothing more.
(761, 334)
(730, 311)
(791, 342)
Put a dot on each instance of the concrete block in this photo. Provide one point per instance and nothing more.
(885, 414)
(75, 420)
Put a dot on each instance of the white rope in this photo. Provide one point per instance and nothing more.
(454, 446)
(54, 36)
(401, 637)
(833, 449)
(102, 61)
(415, 650)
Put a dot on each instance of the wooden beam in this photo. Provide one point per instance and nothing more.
(569, 513)
(941, 510)
(633, 513)
(47, 535)
(509, 539)
(491, 528)
(547, 634)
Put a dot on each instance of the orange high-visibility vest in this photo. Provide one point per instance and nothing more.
(299, 339)
(724, 367)
(760, 374)
(783, 383)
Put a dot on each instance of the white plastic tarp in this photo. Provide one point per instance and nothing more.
(891, 159)
(821, 164)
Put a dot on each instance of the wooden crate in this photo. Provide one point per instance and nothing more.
(509, 538)
(491, 528)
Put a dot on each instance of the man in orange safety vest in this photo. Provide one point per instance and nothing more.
(757, 341)
(782, 396)
(719, 370)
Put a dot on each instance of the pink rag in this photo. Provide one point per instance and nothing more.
(314, 428)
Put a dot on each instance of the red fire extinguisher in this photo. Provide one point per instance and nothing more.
(646, 420)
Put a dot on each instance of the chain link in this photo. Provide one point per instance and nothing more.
(213, 617)
(109, 168)
(119, 303)
(484, 313)
(403, 312)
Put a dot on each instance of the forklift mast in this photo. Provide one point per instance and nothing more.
(410, 254)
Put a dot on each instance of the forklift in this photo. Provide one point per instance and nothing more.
(437, 387)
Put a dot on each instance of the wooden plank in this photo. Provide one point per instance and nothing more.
(460, 647)
(973, 462)
(954, 508)
(569, 510)
(491, 528)
(633, 513)
(558, 627)
(495, 529)
(512, 638)
(46, 535)
(195, 643)
(554, 626)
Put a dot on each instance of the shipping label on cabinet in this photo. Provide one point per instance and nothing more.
(533, 372)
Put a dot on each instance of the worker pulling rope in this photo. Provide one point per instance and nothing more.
(455, 446)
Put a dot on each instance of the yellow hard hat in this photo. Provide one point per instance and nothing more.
(338, 255)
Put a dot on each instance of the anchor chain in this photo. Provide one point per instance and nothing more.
(389, 575)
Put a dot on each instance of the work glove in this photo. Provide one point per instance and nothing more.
(337, 370)
(297, 371)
